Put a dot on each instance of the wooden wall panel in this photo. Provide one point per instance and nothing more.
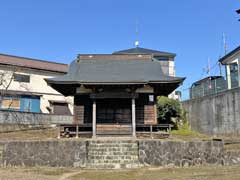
(145, 110)
(150, 114)
(82, 109)
(79, 114)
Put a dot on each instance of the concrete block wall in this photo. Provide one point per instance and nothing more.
(215, 114)
(25, 118)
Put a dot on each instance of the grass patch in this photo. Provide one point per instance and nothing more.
(192, 173)
(49, 171)
(185, 132)
(39, 134)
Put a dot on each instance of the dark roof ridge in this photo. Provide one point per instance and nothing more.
(140, 50)
(33, 63)
(229, 54)
(34, 59)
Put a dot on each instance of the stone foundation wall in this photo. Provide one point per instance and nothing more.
(73, 153)
(43, 153)
(161, 153)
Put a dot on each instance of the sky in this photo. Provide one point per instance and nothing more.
(58, 30)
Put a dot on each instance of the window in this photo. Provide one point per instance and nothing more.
(234, 74)
(60, 108)
(21, 78)
(151, 98)
(10, 103)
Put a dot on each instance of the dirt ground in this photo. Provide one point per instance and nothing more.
(52, 133)
(41, 134)
(192, 173)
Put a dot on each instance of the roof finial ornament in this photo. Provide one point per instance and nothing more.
(136, 43)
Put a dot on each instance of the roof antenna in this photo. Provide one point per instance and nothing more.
(209, 73)
(225, 52)
(224, 44)
(137, 34)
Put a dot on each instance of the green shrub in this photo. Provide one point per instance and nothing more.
(170, 111)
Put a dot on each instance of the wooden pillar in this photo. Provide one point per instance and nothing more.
(77, 130)
(228, 75)
(133, 118)
(59, 132)
(94, 118)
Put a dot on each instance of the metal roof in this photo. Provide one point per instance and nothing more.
(138, 50)
(114, 72)
(224, 58)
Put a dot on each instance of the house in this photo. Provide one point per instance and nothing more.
(23, 87)
(116, 93)
(207, 86)
(231, 61)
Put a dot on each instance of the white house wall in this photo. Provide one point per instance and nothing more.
(37, 86)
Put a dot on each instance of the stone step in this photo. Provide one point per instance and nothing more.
(114, 148)
(113, 166)
(111, 141)
(113, 153)
(112, 161)
(112, 145)
(113, 157)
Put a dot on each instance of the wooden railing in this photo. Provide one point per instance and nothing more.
(73, 130)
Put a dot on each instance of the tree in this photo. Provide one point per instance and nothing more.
(238, 11)
(6, 79)
(170, 111)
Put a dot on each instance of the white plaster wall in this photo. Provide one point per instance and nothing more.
(172, 72)
(37, 85)
(44, 102)
(230, 60)
(171, 68)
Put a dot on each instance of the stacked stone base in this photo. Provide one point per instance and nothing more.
(112, 154)
(116, 153)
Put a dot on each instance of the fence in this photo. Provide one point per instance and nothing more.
(208, 87)
(26, 118)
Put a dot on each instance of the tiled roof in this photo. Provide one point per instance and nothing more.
(32, 63)
(115, 72)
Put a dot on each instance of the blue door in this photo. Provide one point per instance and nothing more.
(30, 104)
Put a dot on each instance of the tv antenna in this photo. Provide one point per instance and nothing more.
(224, 44)
(137, 34)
